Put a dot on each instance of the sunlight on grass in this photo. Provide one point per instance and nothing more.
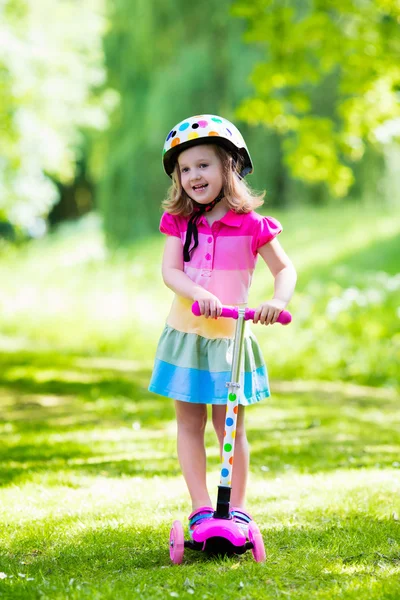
(325, 222)
(49, 374)
(279, 502)
(116, 364)
(335, 387)
(358, 569)
(89, 478)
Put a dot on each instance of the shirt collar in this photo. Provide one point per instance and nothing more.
(233, 219)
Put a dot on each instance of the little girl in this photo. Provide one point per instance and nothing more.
(213, 241)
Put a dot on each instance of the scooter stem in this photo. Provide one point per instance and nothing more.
(225, 486)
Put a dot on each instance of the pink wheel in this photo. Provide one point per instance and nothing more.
(255, 538)
(176, 543)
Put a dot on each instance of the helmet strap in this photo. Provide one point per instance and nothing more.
(199, 209)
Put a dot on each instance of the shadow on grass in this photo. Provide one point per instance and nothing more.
(67, 413)
(82, 416)
(357, 555)
(56, 385)
(322, 431)
(52, 374)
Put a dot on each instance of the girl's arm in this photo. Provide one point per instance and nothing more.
(175, 278)
(285, 278)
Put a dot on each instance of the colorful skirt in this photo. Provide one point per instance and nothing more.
(192, 368)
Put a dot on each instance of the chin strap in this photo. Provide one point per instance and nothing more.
(199, 209)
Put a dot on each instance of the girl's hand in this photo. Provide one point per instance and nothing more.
(268, 312)
(209, 304)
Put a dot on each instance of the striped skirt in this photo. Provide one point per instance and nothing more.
(192, 368)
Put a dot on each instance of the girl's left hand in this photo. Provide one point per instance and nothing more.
(268, 312)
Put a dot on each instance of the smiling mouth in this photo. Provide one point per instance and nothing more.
(198, 188)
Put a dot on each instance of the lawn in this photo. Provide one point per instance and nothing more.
(89, 479)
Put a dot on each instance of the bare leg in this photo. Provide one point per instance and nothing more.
(241, 459)
(191, 419)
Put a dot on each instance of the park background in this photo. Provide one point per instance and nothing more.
(89, 476)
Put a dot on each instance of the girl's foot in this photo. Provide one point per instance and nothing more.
(198, 516)
(242, 519)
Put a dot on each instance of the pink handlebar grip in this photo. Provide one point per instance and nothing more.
(284, 318)
(233, 312)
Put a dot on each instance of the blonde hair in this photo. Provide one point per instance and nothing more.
(239, 196)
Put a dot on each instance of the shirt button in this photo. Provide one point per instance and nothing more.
(208, 256)
(210, 240)
(206, 273)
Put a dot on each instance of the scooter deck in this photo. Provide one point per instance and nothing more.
(219, 536)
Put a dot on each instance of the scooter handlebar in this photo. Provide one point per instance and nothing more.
(233, 312)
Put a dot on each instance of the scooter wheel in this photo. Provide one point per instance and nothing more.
(255, 538)
(176, 543)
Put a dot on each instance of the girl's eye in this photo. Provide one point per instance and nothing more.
(184, 170)
(204, 165)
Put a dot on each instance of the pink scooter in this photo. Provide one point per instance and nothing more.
(221, 534)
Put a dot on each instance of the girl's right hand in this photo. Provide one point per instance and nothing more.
(209, 304)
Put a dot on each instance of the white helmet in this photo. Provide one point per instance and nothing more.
(206, 129)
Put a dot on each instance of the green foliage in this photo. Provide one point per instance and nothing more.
(353, 330)
(50, 63)
(65, 67)
(352, 46)
(163, 72)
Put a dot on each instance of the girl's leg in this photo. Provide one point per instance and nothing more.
(241, 454)
(191, 419)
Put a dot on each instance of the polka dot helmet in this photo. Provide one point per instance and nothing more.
(205, 129)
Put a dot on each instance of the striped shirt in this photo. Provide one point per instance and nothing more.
(223, 263)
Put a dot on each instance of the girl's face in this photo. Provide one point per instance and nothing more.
(201, 173)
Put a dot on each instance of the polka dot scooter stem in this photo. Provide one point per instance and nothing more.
(229, 436)
(224, 488)
(232, 404)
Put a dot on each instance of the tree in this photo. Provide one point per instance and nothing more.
(51, 64)
(167, 59)
(350, 51)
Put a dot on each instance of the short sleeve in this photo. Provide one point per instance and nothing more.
(169, 225)
(267, 229)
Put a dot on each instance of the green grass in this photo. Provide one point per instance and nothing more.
(91, 485)
(89, 478)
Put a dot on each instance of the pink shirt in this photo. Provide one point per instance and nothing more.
(223, 263)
